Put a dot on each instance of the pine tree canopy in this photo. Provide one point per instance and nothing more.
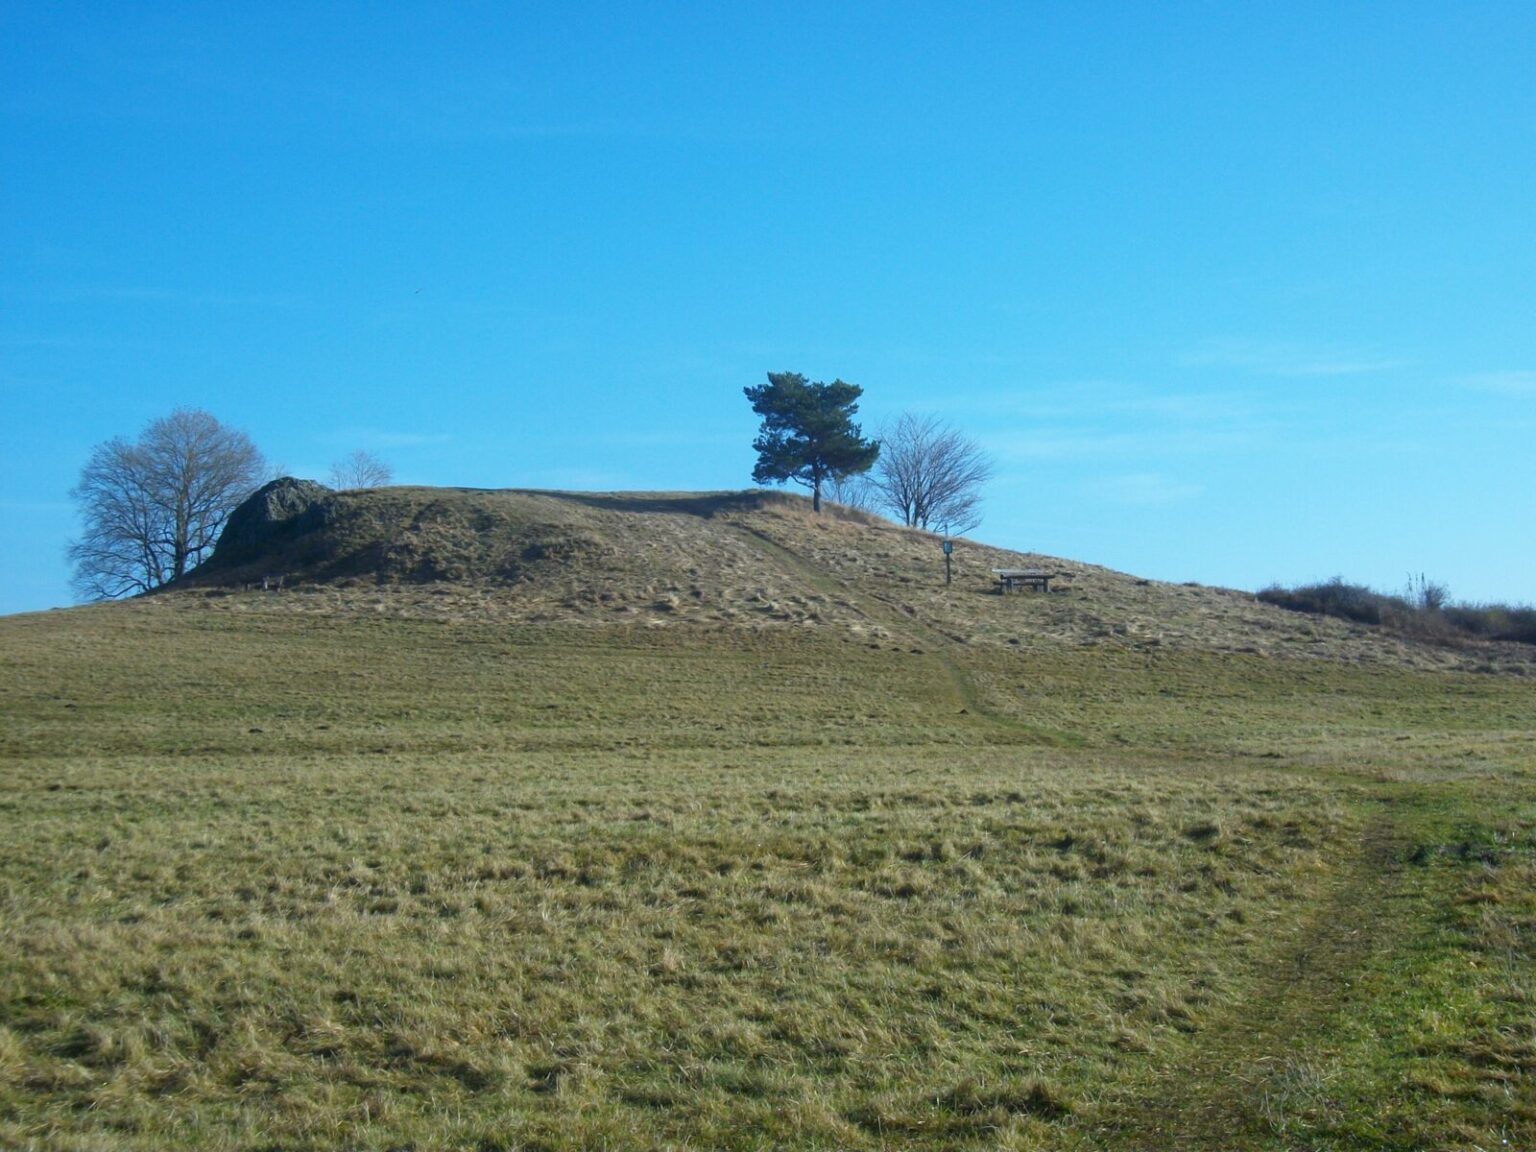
(808, 434)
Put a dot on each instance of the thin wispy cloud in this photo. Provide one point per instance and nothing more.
(464, 115)
(1266, 359)
(661, 440)
(1089, 444)
(1518, 383)
(1104, 421)
(1143, 489)
(145, 294)
(1077, 399)
(75, 343)
(383, 438)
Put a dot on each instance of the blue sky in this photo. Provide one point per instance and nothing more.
(1232, 293)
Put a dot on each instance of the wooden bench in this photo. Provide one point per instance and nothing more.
(1011, 578)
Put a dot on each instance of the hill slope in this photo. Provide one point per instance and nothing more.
(752, 559)
(538, 820)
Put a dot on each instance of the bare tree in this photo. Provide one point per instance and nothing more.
(361, 470)
(855, 491)
(931, 475)
(154, 506)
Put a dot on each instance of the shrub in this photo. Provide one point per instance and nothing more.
(1353, 602)
(1425, 612)
(1494, 621)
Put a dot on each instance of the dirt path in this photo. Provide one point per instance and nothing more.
(1244, 1079)
(931, 642)
(1248, 1076)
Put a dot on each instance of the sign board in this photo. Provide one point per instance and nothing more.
(948, 547)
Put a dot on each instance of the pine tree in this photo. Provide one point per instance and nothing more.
(808, 434)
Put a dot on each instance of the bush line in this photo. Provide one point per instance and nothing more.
(1425, 615)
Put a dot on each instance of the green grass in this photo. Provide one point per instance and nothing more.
(1437, 1048)
(362, 882)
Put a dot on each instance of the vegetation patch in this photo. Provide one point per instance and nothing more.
(1423, 612)
(327, 869)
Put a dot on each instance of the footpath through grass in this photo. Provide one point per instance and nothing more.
(1400, 1017)
(370, 883)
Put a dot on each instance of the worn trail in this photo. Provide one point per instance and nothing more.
(877, 612)
(1237, 1082)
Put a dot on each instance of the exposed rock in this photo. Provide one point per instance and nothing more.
(309, 534)
(275, 512)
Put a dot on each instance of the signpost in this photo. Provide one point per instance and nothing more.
(949, 546)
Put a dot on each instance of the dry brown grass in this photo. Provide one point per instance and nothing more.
(762, 560)
(482, 865)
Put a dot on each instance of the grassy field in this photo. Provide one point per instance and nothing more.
(279, 880)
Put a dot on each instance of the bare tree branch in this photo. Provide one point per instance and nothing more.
(854, 491)
(152, 508)
(931, 475)
(361, 470)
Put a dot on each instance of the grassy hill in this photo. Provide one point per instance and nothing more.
(542, 820)
(750, 560)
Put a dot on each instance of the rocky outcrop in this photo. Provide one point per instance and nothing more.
(304, 532)
(275, 514)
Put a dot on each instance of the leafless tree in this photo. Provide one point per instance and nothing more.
(855, 491)
(361, 470)
(154, 506)
(931, 475)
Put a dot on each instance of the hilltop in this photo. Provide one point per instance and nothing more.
(750, 559)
